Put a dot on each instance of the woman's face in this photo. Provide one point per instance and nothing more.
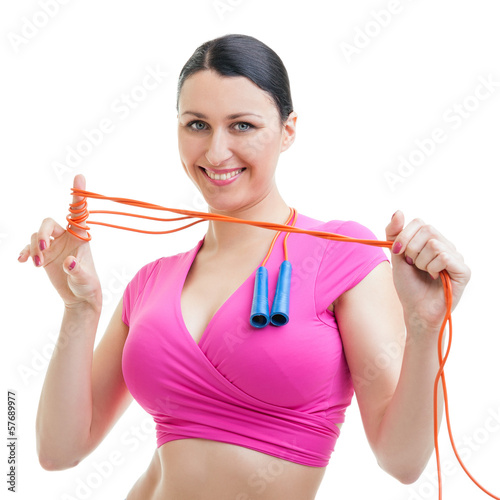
(230, 137)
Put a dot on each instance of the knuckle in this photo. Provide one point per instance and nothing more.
(429, 230)
(410, 250)
(446, 258)
(434, 244)
(412, 246)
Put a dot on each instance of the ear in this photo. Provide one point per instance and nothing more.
(288, 133)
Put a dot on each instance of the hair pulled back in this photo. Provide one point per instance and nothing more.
(243, 55)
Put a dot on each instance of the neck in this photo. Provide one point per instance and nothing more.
(228, 236)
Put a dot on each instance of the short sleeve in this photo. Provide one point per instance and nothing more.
(345, 264)
(134, 289)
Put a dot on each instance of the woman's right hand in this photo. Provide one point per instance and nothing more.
(66, 259)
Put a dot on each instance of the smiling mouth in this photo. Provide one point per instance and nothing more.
(222, 177)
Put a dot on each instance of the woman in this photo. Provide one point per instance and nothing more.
(243, 412)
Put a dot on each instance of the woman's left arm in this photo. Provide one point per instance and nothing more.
(390, 324)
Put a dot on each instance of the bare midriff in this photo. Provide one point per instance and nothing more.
(199, 469)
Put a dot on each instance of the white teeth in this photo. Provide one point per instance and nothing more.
(223, 177)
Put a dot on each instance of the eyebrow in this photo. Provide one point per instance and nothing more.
(229, 117)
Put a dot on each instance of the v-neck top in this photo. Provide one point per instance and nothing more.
(277, 390)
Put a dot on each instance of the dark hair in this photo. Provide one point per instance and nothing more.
(243, 55)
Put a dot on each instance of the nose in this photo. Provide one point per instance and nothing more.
(218, 148)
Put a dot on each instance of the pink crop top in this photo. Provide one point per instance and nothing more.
(277, 390)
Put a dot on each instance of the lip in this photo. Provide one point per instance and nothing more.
(221, 172)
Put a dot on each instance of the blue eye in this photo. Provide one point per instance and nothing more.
(247, 126)
(197, 123)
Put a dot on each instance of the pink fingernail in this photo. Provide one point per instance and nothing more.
(397, 248)
(20, 255)
(42, 245)
(409, 260)
(37, 260)
(72, 265)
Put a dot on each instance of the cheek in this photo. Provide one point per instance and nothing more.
(186, 157)
(265, 145)
(189, 151)
(183, 145)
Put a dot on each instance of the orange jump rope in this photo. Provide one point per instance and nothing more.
(79, 214)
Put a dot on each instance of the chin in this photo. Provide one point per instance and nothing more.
(222, 202)
(226, 207)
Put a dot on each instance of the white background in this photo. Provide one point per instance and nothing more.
(62, 74)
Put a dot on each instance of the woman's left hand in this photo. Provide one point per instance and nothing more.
(418, 254)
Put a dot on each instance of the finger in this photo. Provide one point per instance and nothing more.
(453, 264)
(49, 228)
(71, 266)
(424, 236)
(24, 254)
(395, 226)
(78, 183)
(431, 251)
(79, 205)
(41, 240)
(78, 274)
(405, 236)
(35, 252)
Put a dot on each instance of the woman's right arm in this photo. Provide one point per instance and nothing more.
(84, 392)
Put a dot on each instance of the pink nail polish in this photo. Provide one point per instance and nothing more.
(72, 265)
(409, 260)
(42, 245)
(20, 255)
(37, 260)
(397, 248)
